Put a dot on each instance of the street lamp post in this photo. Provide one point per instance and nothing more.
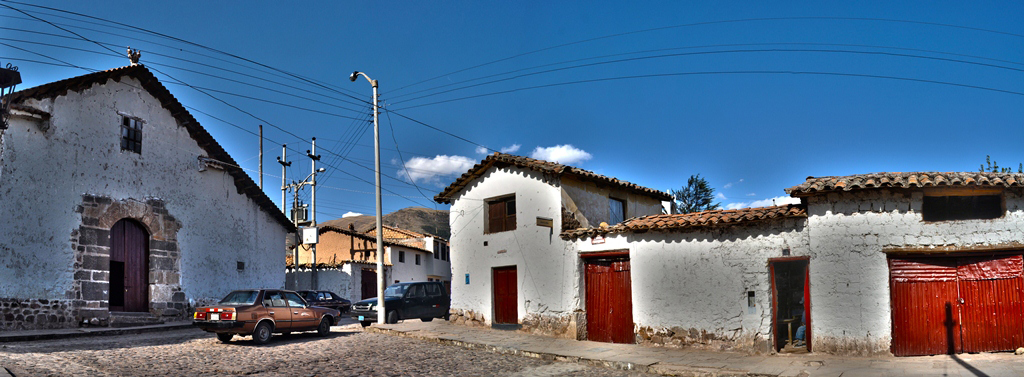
(380, 229)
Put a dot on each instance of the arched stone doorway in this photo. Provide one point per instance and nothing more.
(129, 267)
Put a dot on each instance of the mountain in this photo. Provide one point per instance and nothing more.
(417, 219)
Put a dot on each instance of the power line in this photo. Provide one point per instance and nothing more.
(395, 139)
(705, 23)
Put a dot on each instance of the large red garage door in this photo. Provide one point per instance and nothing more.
(953, 305)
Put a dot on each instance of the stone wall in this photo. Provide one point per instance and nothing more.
(24, 314)
(571, 326)
(467, 317)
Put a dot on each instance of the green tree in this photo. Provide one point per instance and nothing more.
(991, 166)
(696, 196)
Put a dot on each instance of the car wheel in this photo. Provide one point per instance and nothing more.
(225, 337)
(325, 327)
(365, 323)
(427, 319)
(262, 333)
(392, 317)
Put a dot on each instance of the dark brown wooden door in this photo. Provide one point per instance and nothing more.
(506, 296)
(609, 301)
(129, 267)
(369, 283)
(954, 305)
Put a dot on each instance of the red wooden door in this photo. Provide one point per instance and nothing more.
(990, 305)
(609, 301)
(506, 295)
(369, 284)
(129, 267)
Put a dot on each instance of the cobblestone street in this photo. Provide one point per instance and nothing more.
(347, 352)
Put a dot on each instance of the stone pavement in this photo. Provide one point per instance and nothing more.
(689, 362)
(23, 335)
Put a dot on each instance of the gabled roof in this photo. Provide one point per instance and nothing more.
(243, 183)
(387, 242)
(815, 185)
(688, 221)
(502, 160)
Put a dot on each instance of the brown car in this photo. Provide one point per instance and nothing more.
(262, 312)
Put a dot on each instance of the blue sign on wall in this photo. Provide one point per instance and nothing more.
(467, 278)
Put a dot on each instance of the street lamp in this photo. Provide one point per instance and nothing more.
(380, 229)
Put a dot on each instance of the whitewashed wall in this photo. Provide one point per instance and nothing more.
(408, 271)
(43, 176)
(436, 266)
(547, 268)
(849, 273)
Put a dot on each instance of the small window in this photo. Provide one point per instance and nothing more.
(942, 208)
(501, 215)
(437, 250)
(616, 211)
(401, 257)
(240, 266)
(131, 134)
(417, 259)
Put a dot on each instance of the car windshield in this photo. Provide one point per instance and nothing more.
(395, 291)
(240, 298)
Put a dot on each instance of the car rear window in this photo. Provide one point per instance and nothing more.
(240, 298)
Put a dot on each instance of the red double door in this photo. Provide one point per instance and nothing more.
(609, 301)
(954, 305)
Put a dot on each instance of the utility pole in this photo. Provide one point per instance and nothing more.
(313, 281)
(261, 157)
(380, 229)
(284, 192)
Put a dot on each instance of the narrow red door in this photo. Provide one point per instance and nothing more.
(129, 267)
(990, 303)
(369, 284)
(506, 295)
(609, 301)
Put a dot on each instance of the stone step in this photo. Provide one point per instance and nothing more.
(132, 319)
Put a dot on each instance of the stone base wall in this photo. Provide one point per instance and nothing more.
(678, 337)
(566, 326)
(848, 346)
(466, 317)
(27, 314)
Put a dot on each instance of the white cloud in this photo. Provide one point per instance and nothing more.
(720, 196)
(423, 169)
(730, 184)
(776, 201)
(752, 194)
(351, 214)
(564, 154)
(511, 148)
(481, 150)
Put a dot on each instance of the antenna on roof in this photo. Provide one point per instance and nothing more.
(134, 55)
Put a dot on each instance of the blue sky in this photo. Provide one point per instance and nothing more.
(753, 96)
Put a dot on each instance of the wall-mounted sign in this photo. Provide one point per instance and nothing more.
(467, 278)
(543, 221)
(310, 235)
(597, 240)
(502, 251)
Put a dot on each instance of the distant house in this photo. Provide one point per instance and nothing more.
(346, 261)
(886, 263)
(510, 264)
(116, 201)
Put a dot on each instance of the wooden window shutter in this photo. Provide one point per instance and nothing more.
(495, 217)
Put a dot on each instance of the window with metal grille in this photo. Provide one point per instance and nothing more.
(942, 208)
(501, 215)
(131, 134)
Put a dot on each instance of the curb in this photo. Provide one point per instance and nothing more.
(77, 333)
(654, 368)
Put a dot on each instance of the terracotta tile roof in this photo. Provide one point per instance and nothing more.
(689, 221)
(815, 185)
(502, 159)
(243, 183)
(371, 238)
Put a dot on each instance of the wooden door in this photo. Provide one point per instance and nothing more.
(609, 301)
(990, 303)
(369, 284)
(129, 267)
(506, 296)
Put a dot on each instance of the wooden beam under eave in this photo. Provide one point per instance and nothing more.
(963, 191)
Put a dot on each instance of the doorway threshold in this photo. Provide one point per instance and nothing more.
(506, 326)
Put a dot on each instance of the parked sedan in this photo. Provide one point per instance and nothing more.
(262, 312)
(327, 299)
(423, 300)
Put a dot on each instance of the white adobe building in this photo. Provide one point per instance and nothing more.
(116, 201)
(872, 264)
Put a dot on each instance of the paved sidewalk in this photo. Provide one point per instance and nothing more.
(23, 335)
(686, 362)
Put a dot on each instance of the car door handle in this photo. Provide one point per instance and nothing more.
(271, 314)
(295, 312)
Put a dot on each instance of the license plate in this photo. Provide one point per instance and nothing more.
(215, 316)
(360, 318)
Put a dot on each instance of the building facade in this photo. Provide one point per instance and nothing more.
(116, 200)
